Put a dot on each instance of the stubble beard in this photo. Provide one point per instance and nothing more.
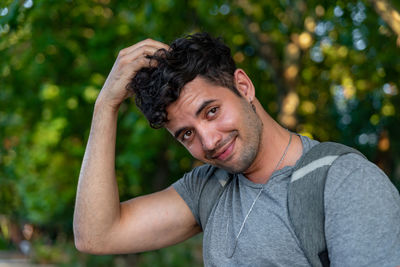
(251, 137)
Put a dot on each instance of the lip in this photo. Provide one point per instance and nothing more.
(227, 151)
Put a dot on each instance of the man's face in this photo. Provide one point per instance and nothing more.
(215, 125)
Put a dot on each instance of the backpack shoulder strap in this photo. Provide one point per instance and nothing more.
(211, 192)
(306, 199)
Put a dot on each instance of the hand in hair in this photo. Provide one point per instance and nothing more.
(128, 62)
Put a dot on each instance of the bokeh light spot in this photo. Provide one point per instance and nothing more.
(90, 93)
(3, 11)
(72, 103)
(291, 72)
(49, 91)
(337, 11)
(238, 57)
(384, 143)
(309, 24)
(316, 54)
(374, 120)
(388, 109)
(319, 10)
(307, 107)
(305, 40)
(28, 4)
(238, 39)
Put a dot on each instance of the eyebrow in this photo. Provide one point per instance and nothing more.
(199, 110)
(205, 104)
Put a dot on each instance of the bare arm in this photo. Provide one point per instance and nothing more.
(101, 224)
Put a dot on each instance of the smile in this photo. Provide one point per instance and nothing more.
(226, 152)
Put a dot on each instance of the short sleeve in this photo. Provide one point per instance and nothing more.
(190, 186)
(362, 214)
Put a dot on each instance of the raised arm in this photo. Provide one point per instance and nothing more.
(103, 225)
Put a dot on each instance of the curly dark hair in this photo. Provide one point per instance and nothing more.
(193, 55)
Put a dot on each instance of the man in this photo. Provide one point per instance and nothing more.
(194, 89)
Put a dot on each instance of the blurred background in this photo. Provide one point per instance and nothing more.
(326, 69)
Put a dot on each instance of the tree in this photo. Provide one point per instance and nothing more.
(326, 69)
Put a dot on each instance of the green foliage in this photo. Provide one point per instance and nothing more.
(326, 69)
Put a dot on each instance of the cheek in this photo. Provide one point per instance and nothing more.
(226, 122)
(195, 150)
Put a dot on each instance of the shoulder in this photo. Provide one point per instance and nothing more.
(206, 176)
(354, 169)
(362, 211)
(353, 173)
(197, 178)
(202, 174)
(349, 162)
(191, 186)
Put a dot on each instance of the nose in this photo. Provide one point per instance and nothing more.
(209, 137)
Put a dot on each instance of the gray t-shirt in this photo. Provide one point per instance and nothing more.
(362, 217)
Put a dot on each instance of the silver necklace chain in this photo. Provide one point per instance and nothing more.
(259, 193)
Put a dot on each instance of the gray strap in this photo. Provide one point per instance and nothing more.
(212, 190)
(306, 199)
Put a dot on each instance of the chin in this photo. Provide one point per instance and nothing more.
(232, 168)
(235, 164)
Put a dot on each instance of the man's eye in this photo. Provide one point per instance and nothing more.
(187, 135)
(212, 112)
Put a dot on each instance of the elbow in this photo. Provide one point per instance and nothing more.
(82, 245)
(86, 245)
(82, 239)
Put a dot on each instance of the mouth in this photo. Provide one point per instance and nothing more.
(226, 151)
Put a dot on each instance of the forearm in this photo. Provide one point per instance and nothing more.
(97, 203)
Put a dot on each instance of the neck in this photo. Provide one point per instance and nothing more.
(273, 143)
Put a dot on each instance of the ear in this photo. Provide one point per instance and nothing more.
(244, 85)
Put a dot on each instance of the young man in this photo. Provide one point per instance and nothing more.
(194, 89)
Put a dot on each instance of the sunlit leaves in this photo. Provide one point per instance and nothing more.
(329, 69)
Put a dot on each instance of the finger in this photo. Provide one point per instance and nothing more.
(147, 42)
(138, 57)
(147, 50)
(135, 65)
(159, 44)
(144, 51)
